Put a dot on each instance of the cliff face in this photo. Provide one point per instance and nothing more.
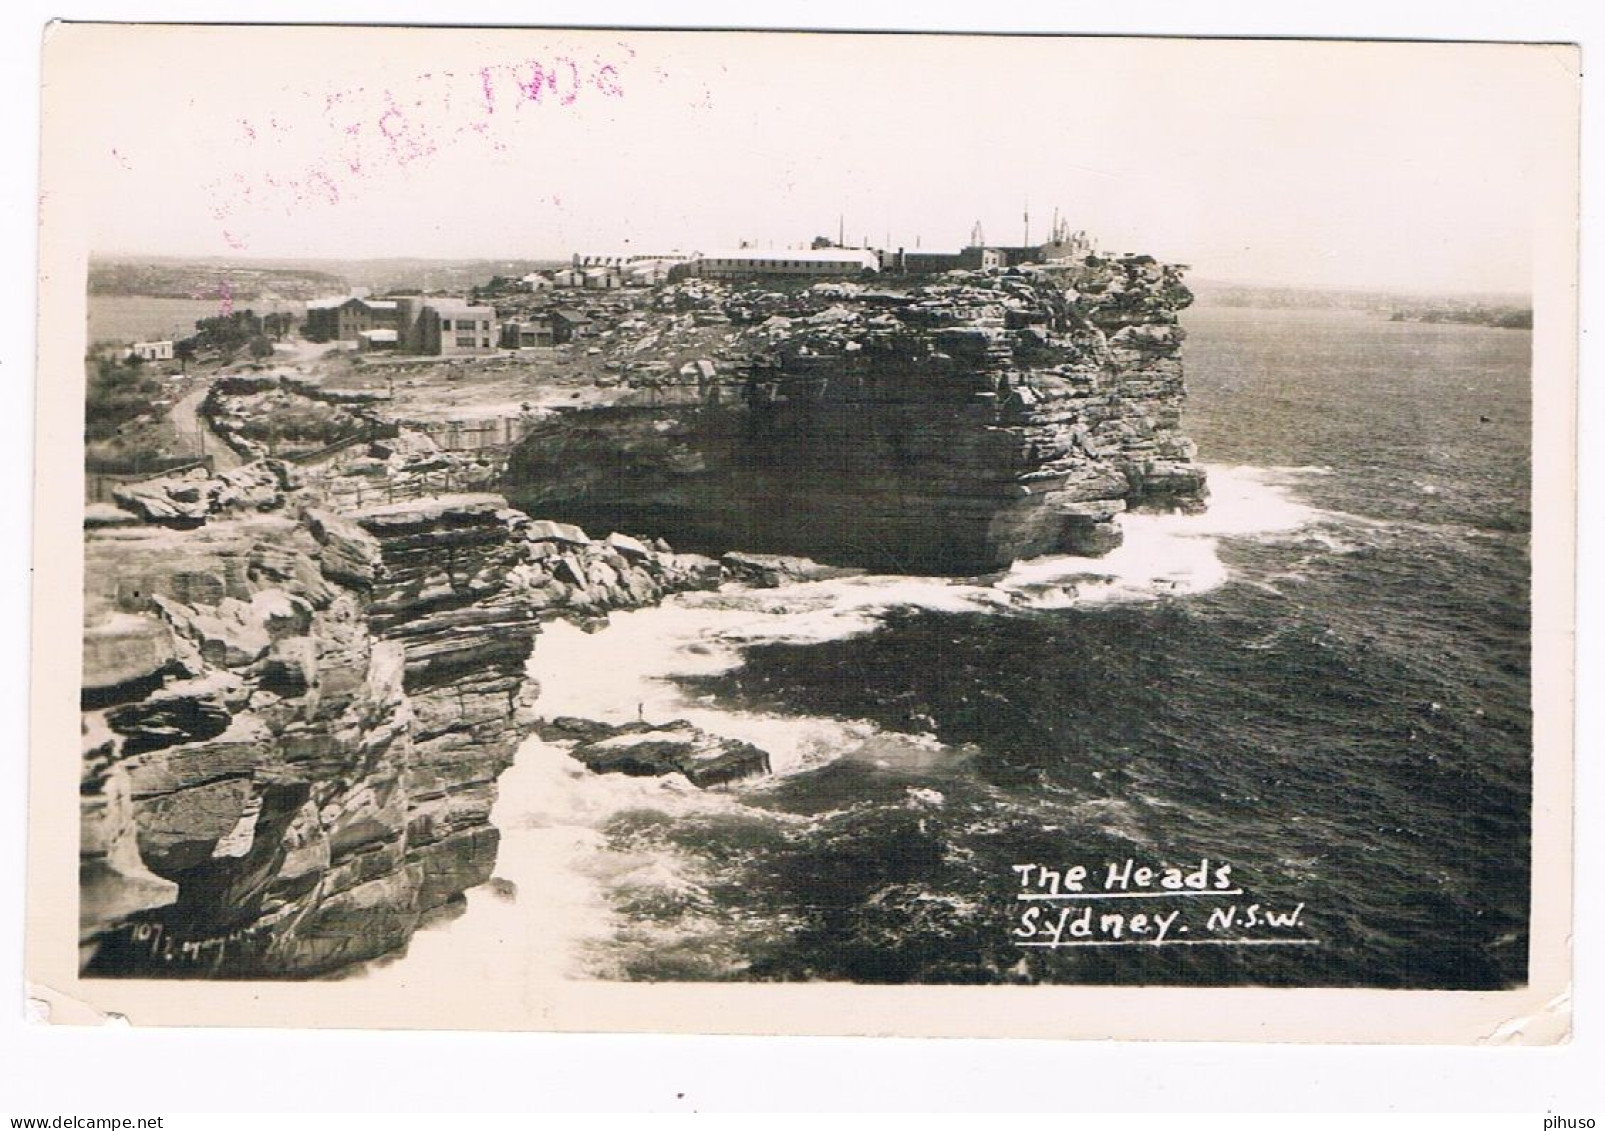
(294, 719)
(949, 428)
(298, 695)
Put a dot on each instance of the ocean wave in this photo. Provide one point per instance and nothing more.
(601, 884)
(1167, 555)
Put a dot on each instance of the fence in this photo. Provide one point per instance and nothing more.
(377, 432)
(353, 492)
(99, 483)
(491, 439)
(493, 433)
(102, 476)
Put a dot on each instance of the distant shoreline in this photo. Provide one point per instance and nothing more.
(1500, 317)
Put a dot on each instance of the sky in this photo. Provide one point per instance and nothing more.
(1405, 166)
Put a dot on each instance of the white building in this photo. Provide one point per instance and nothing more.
(627, 268)
(451, 327)
(814, 263)
(151, 351)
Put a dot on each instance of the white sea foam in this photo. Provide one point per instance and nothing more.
(1171, 554)
(629, 670)
(554, 813)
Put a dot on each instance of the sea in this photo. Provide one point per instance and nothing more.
(133, 318)
(1321, 685)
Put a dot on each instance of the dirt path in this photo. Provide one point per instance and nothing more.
(185, 417)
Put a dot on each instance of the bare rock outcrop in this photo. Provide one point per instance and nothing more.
(643, 749)
(294, 718)
(302, 682)
(945, 426)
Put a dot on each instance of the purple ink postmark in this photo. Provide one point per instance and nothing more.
(326, 146)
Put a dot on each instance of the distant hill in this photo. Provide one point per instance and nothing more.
(200, 279)
(301, 279)
(1276, 296)
(1505, 317)
(454, 275)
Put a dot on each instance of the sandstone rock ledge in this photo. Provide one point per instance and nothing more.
(936, 425)
(643, 749)
(294, 718)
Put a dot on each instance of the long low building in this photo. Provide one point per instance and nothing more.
(918, 262)
(818, 263)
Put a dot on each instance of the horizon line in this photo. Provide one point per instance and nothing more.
(1285, 284)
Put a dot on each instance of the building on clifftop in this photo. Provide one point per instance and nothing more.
(814, 263)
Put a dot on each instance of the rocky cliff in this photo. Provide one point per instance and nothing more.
(294, 718)
(948, 426)
(300, 688)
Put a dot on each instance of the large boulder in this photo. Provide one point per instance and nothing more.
(179, 831)
(234, 635)
(643, 749)
(628, 546)
(769, 571)
(406, 444)
(282, 614)
(349, 554)
(125, 654)
(188, 499)
(175, 501)
(545, 530)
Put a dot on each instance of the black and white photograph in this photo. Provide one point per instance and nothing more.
(570, 513)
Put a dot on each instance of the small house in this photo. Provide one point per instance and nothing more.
(150, 351)
(527, 334)
(568, 324)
